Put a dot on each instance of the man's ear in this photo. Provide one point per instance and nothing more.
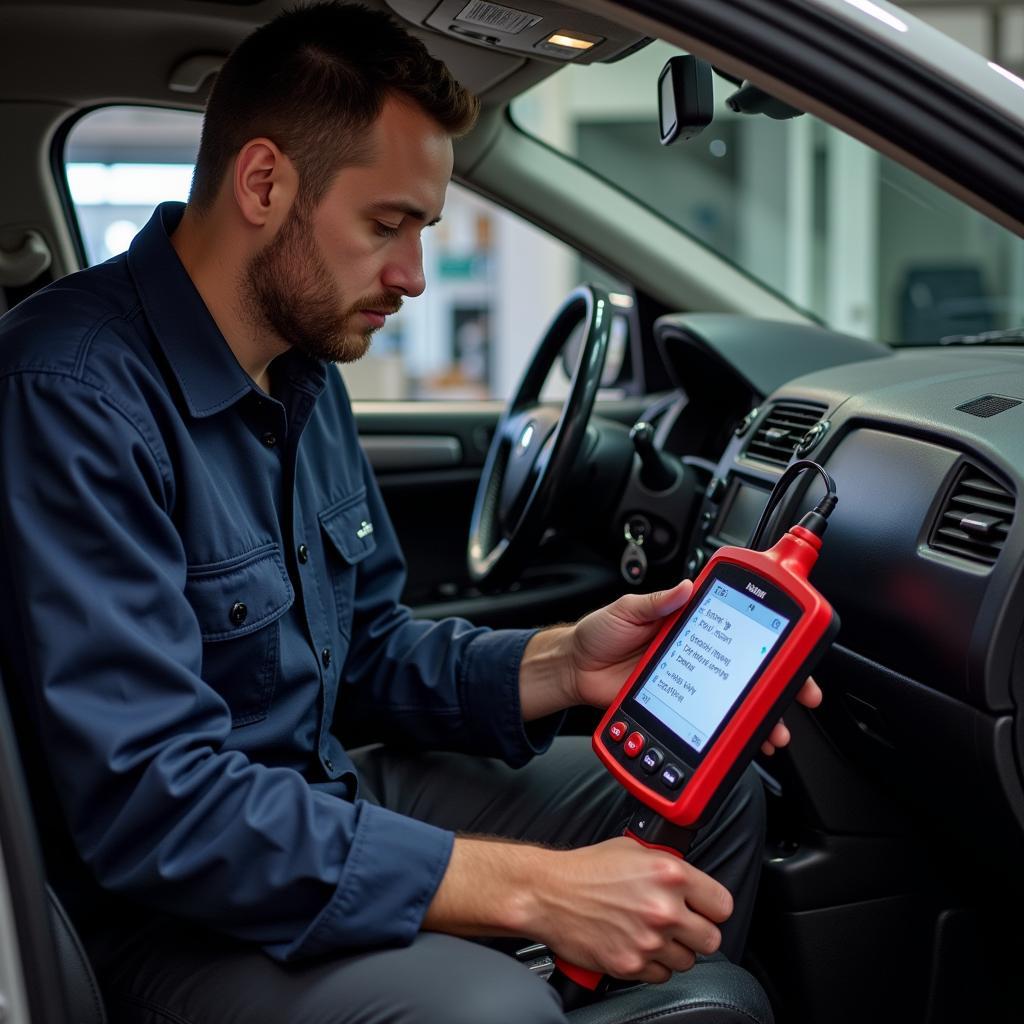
(265, 183)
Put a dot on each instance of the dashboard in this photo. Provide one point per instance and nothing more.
(924, 552)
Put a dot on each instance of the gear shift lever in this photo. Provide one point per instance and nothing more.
(656, 472)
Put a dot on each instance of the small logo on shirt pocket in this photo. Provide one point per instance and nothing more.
(365, 529)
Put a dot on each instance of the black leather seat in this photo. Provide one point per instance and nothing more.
(713, 992)
(84, 1001)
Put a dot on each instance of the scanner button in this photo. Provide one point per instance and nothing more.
(671, 776)
(651, 761)
(634, 744)
(617, 730)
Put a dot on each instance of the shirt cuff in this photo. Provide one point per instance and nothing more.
(489, 694)
(391, 872)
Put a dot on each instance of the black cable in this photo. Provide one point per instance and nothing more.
(815, 520)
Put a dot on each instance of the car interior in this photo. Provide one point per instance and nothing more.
(826, 262)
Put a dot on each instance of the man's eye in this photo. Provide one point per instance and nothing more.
(386, 230)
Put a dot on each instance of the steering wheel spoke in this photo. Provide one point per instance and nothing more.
(535, 446)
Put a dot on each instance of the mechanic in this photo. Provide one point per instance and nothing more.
(203, 599)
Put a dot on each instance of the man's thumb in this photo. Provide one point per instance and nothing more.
(664, 602)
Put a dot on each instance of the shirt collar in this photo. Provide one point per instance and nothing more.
(210, 376)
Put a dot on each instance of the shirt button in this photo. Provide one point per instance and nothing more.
(303, 554)
(329, 764)
(325, 657)
(238, 613)
(269, 439)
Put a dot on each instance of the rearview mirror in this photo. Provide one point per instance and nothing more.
(686, 98)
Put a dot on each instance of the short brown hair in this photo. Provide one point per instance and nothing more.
(313, 80)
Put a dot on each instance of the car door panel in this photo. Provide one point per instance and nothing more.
(428, 457)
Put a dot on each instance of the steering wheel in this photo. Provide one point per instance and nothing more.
(534, 447)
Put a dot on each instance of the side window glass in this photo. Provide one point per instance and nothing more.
(493, 279)
(120, 163)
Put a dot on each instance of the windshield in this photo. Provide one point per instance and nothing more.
(855, 239)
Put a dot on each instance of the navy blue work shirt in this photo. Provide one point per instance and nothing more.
(202, 583)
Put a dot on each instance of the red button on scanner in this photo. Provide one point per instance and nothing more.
(617, 730)
(634, 744)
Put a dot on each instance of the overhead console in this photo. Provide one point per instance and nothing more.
(551, 31)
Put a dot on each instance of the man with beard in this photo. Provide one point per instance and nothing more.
(204, 590)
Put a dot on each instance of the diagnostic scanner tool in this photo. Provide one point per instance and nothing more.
(709, 689)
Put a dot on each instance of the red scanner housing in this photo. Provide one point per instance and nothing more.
(781, 573)
(700, 774)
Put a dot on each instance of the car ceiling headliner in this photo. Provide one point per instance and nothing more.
(103, 51)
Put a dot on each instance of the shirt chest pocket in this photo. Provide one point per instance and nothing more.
(348, 539)
(239, 603)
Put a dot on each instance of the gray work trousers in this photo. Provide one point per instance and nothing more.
(168, 972)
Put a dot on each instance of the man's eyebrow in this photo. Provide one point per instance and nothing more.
(400, 206)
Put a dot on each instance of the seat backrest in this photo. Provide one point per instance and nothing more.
(62, 986)
(82, 991)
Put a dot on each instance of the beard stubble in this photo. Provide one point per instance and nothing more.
(289, 290)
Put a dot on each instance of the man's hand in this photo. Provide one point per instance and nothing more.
(606, 644)
(632, 912)
(617, 907)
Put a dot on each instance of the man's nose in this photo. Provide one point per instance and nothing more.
(405, 274)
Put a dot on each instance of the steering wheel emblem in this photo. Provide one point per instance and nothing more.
(525, 438)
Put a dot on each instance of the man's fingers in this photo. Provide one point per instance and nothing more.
(780, 735)
(653, 974)
(696, 932)
(709, 899)
(677, 957)
(809, 694)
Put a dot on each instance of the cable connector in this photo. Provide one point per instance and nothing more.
(816, 521)
(827, 504)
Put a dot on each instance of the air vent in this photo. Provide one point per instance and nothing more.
(782, 430)
(975, 518)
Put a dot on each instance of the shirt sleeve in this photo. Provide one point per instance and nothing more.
(443, 684)
(100, 632)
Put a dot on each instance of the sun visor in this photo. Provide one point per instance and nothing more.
(545, 31)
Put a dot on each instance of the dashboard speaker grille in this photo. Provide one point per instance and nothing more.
(988, 405)
(782, 429)
(975, 518)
